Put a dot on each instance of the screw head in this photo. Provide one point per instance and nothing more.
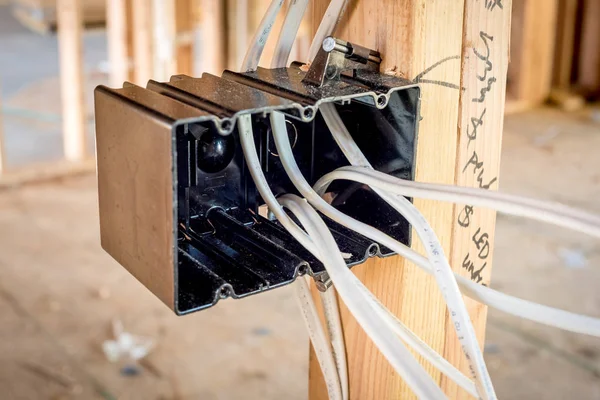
(329, 44)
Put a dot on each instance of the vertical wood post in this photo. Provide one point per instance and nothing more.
(184, 27)
(116, 29)
(213, 40)
(485, 55)
(2, 148)
(565, 43)
(589, 63)
(143, 54)
(70, 26)
(426, 41)
(533, 39)
(238, 33)
(163, 35)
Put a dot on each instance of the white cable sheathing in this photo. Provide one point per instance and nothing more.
(331, 376)
(289, 30)
(283, 48)
(422, 348)
(336, 335)
(251, 157)
(327, 26)
(440, 265)
(359, 305)
(552, 213)
(257, 45)
(512, 305)
(318, 339)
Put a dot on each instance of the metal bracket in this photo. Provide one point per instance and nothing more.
(337, 56)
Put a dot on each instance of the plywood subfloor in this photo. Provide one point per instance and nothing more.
(59, 293)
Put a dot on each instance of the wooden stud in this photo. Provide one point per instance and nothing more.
(184, 26)
(485, 57)
(425, 41)
(532, 50)
(116, 29)
(70, 25)
(213, 40)
(412, 36)
(130, 45)
(588, 77)
(2, 149)
(143, 48)
(163, 36)
(565, 43)
(238, 32)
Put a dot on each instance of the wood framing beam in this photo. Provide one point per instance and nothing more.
(533, 38)
(589, 59)
(2, 146)
(184, 27)
(238, 32)
(439, 44)
(565, 43)
(143, 46)
(164, 22)
(485, 57)
(70, 26)
(118, 52)
(213, 41)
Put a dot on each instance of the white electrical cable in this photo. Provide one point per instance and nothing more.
(403, 332)
(336, 380)
(318, 338)
(260, 37)
(336, 335)
(348, 288)
(289, 30)
(330, 305)
(323, 351)
(285, 42)
(512, 305)
(440, 265)
(442, 271)
(327, 26)
(249, 149)
(552, 213)
(414, 341)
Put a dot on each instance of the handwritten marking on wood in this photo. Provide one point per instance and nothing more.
(485, 62)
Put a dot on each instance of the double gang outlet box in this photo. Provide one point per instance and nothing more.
(178, 207)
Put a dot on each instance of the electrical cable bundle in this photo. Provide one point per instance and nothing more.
(378, 322)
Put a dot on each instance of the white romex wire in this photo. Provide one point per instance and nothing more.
(358, 304)
(440, 265)
(509, 304)
(260, 37)
(336, 380)
(336, 334)
(287, 159)
(553, 213)
(318, 338)
(315, 330)
(327, 26)
(285, 42)
(328, 301)
(288, 33)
